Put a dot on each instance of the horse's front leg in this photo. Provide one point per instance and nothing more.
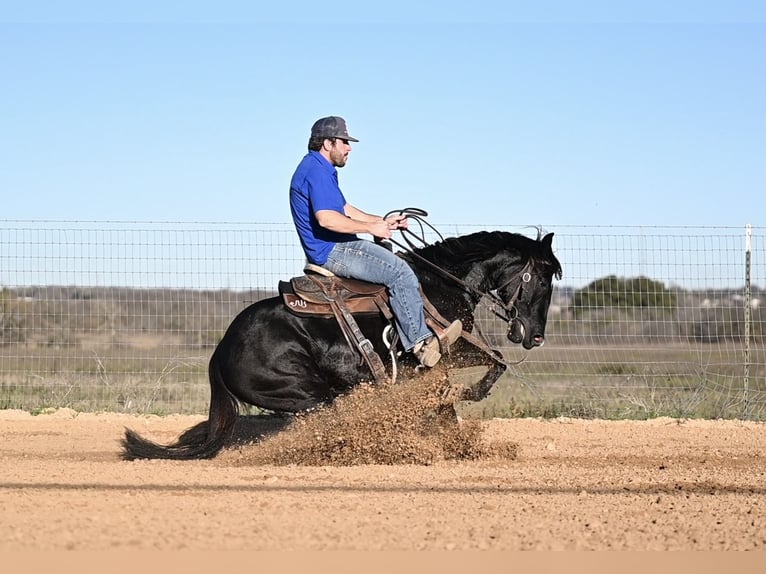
(471, 355)
(481, 389)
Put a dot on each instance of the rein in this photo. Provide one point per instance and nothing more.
(509, 308)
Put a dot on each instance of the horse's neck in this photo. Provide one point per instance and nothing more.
(458, 297)
(485, 276)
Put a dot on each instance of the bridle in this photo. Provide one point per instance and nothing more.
(510, 307)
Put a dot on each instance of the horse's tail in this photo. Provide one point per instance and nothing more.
(203, 440)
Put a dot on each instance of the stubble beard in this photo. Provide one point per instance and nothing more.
(338, 159)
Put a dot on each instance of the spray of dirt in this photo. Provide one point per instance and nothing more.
(410, 422)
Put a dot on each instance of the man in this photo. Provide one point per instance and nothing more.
(327, 226)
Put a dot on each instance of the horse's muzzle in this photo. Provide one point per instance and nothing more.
(517, 333)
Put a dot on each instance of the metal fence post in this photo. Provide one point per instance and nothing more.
(748, 320)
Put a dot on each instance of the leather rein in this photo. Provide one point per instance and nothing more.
(509, 308)
(497, 304)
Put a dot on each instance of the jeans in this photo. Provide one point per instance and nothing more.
(367, 261)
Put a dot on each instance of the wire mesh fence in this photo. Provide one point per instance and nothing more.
(123, 316)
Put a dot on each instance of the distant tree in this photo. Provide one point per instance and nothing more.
(614, 292)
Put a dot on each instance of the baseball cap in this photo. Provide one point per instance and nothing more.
(331, 127)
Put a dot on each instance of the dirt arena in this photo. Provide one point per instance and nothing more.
(364, 475)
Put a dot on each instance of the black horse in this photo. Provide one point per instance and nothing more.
(275, 360)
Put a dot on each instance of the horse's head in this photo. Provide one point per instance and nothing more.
(527, 291)
(518, 269)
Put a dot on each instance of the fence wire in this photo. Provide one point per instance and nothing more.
(123, 316)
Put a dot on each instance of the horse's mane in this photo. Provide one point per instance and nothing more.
(468, 249)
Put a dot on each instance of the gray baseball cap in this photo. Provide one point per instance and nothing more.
(331, 127)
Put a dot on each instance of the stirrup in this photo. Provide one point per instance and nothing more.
(318, 270)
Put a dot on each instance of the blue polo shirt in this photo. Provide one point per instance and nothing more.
(314, 187)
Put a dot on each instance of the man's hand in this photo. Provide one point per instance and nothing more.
(397, 221)
(380, 228)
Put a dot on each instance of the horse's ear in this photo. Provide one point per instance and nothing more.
(548, 240)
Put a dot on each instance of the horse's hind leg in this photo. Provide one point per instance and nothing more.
(295, 392)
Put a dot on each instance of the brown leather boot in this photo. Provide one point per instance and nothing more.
(449, 335)
(427, 352)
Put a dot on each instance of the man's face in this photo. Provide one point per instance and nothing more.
(339, 150)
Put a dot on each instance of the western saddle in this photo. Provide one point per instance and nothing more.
(321, 293)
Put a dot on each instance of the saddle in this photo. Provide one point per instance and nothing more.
(314, 295)
(319, 293)
(332, 296)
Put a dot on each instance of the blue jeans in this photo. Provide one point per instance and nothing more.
(367, 261)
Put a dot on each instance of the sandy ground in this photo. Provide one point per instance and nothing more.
(572, 484)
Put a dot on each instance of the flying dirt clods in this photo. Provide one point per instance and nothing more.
(410, 422)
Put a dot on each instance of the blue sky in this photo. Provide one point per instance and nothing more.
(563, 113)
